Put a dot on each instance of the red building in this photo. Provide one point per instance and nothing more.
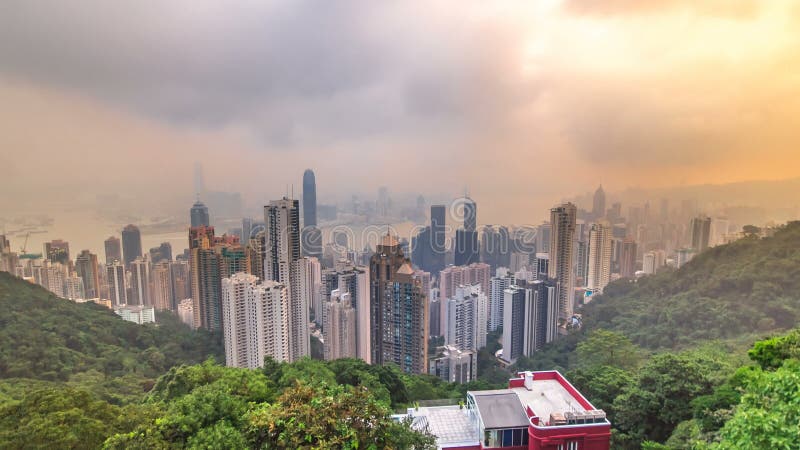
(538, 411)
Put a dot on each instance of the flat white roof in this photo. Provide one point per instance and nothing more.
(546, 397)
(450, 424)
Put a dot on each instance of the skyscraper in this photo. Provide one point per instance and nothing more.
(498, 285)
(181, 282)
(205, 278)
(199, 214)
(87, 268)
(701, 233)
(599, 203)
(113, 250)
(161, 253)
(398, 310)
(531, 318)
(282, 239)
(353, 280)
(116, 283)
(562, 249)
(255, 321)
(599, 271)
(161, 276)
(466, 323)
(131, 244)
(454, 276)
(340, 327)
(467, 250)
(284, 264)
(140, 282)
(57, 251)
(627, 258)
(309, 199)
(438, 242)
(496, 246)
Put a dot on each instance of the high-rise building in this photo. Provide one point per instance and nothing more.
(185, 312)
(140, 282)
(131, 244)
(398, 310)
(312, 242)
(531, 318)
(73, 288)
(496, 246)
(467, 250)
(256, 252)
(87, 268)
(498, 284)
(514, 299)
(199, 215)
(466, 323)
(562, 252)
(340, 327)
(599, 203)
(57, 251)
(455, 366)
(205, 279)
(181, 282)
(452, 277)
(113, 250)
(284, 264)
(599, 272)
(701, 233)
(161, 253)
(309, 199)
(542, 316)
(162, 286)
(653, 260)
(627, 258)
(117, 288)
(581, 262)
(255, 321)
(543, 238)
(282, 239)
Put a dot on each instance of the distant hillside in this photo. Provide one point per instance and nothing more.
(749, 286)
(48, 338)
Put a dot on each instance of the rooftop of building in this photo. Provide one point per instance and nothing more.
(451, 425)
(500, 408)
(539, 399)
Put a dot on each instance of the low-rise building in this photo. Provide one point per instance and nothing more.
(136, 313)
(538, 411)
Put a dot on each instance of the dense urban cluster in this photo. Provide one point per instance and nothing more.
(274, 283)
(493, 309)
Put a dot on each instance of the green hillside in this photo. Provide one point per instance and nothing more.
(47, 338)
(746, 287)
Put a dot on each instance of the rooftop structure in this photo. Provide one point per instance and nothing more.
(538, 411)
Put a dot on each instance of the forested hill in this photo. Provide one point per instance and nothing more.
(48, 338)
(749, 286)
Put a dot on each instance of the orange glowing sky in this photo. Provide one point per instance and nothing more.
(523, 102)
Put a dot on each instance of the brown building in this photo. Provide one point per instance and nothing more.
(398, 310)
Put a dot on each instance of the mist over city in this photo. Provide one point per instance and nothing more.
(535, 225)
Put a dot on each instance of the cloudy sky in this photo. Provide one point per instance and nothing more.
(524, 102)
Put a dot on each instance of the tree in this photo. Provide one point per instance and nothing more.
(661, 397)
(608, 348)
(318, 417)
(768, 414)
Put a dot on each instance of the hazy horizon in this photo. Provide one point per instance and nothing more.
(524, 104)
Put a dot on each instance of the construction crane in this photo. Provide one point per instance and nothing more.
(25, 255)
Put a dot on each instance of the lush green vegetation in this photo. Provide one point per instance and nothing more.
(745, 288)
(666, 357)
(47, 338)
